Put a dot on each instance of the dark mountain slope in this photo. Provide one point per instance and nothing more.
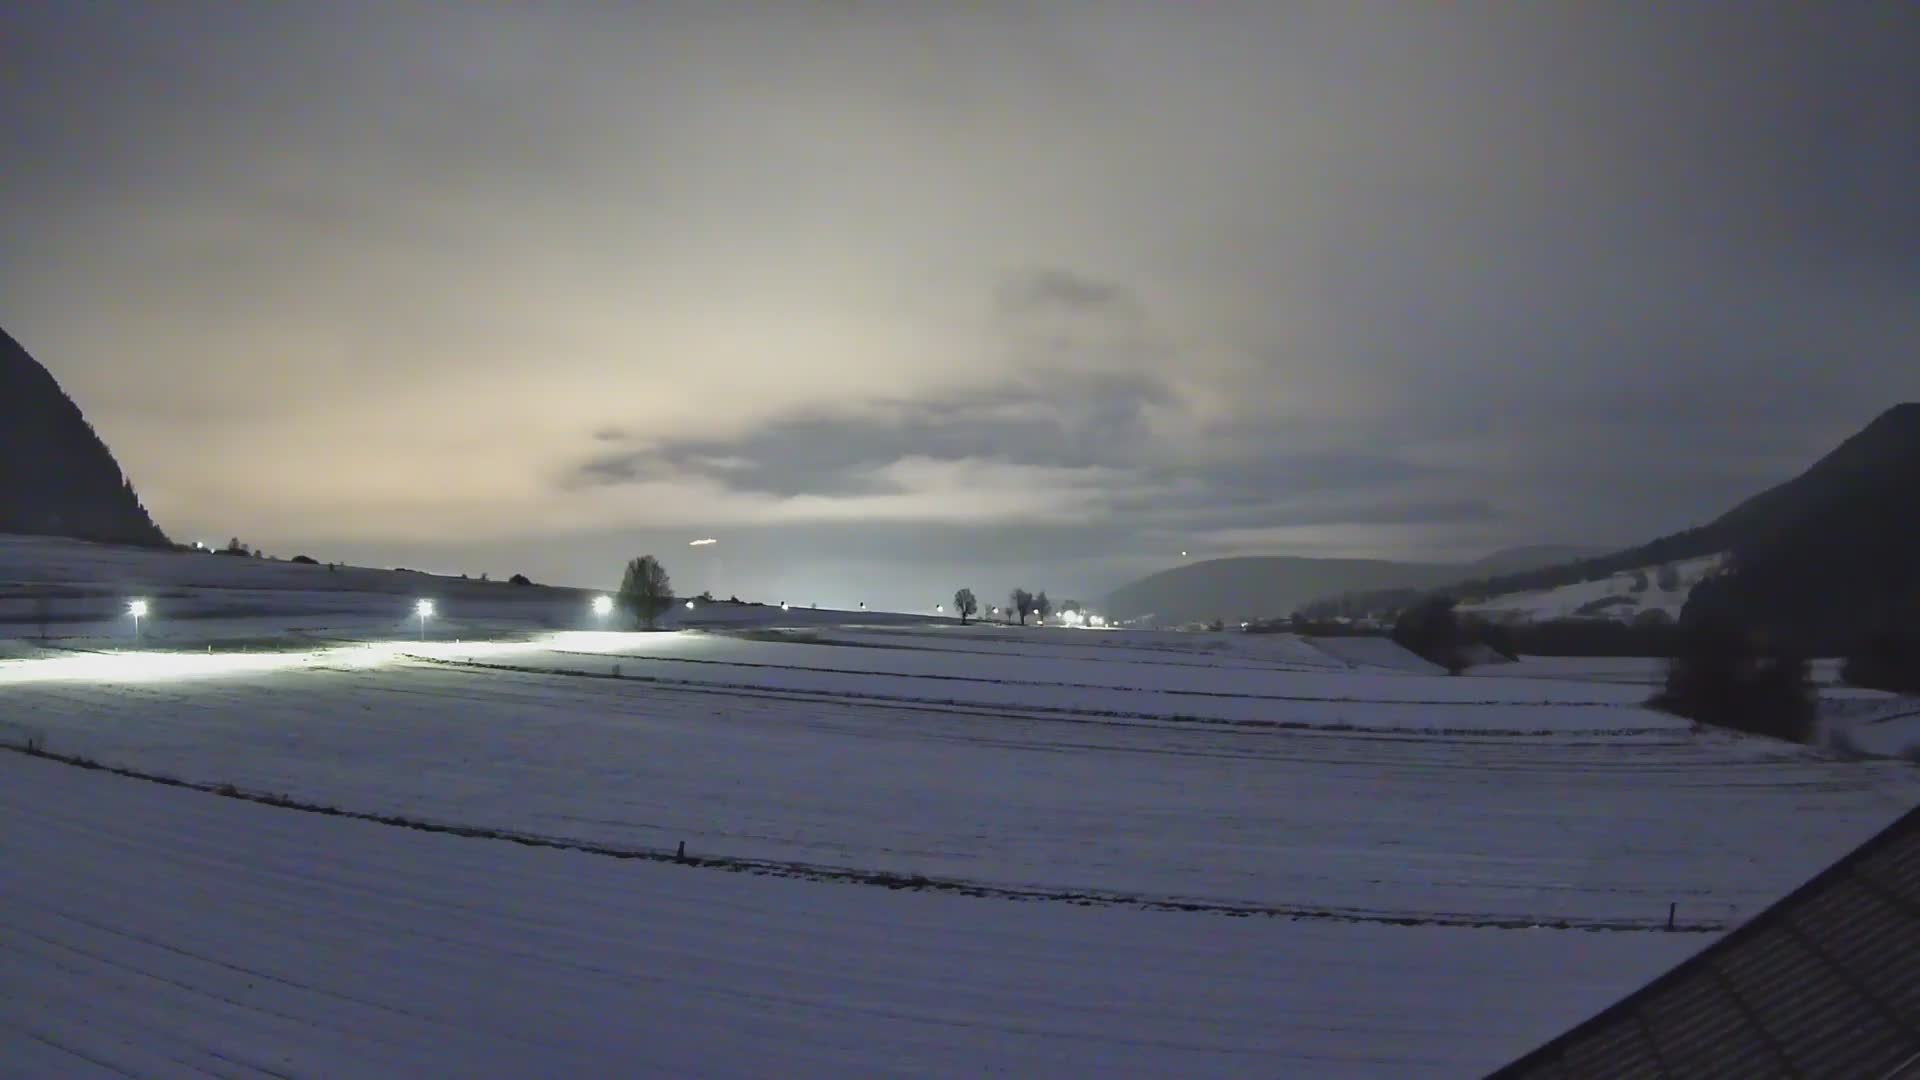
(1519, 560)
(1261, 586)
(1818, 559)
(1832, 557)
(1274, 586)
(56, 477)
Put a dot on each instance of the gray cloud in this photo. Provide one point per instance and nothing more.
(1065, 421)
(1414, 281)
(1054, 290)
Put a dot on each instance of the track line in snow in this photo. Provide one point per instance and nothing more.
(912, 882)
(1105, 688)
(1051, 711)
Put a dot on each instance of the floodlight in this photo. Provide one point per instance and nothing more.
(603, 605)
(423, 608)
(137, 609)
(689, 605)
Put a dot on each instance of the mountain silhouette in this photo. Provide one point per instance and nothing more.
(56, 477)
(1269, 586)
(1819, 561)
(1828, 559)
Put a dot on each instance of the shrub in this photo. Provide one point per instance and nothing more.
(1723, 677)
(1431, 630)
(518, 579)
(1639, 581)
(305, 560)
(1667, 577)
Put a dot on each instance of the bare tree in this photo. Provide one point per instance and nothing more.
(965, 604)
(1020, 601)
(646, 591)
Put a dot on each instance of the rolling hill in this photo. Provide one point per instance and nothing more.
(57, 478)
(1267, 586)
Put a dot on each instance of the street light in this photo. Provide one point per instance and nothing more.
(137, 609)
(603, 606)
(424, 609)
(689, 605)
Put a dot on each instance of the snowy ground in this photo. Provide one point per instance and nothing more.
(1376, 820)
(157, 932)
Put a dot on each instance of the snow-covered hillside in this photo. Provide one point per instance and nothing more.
(73, 593)
(1621, 598)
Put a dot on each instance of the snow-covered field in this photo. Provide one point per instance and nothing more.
(155, 932)
(1086, 809)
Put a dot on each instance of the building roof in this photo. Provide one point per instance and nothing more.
(1824, 983)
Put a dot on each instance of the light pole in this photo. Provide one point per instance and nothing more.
(137, 609)
(424, 609)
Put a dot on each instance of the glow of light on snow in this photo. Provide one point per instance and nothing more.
(133, 666)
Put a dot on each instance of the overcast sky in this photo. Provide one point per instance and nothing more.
(894, 297)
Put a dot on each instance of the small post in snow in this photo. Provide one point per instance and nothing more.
(681, 855)
(1671, 908)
